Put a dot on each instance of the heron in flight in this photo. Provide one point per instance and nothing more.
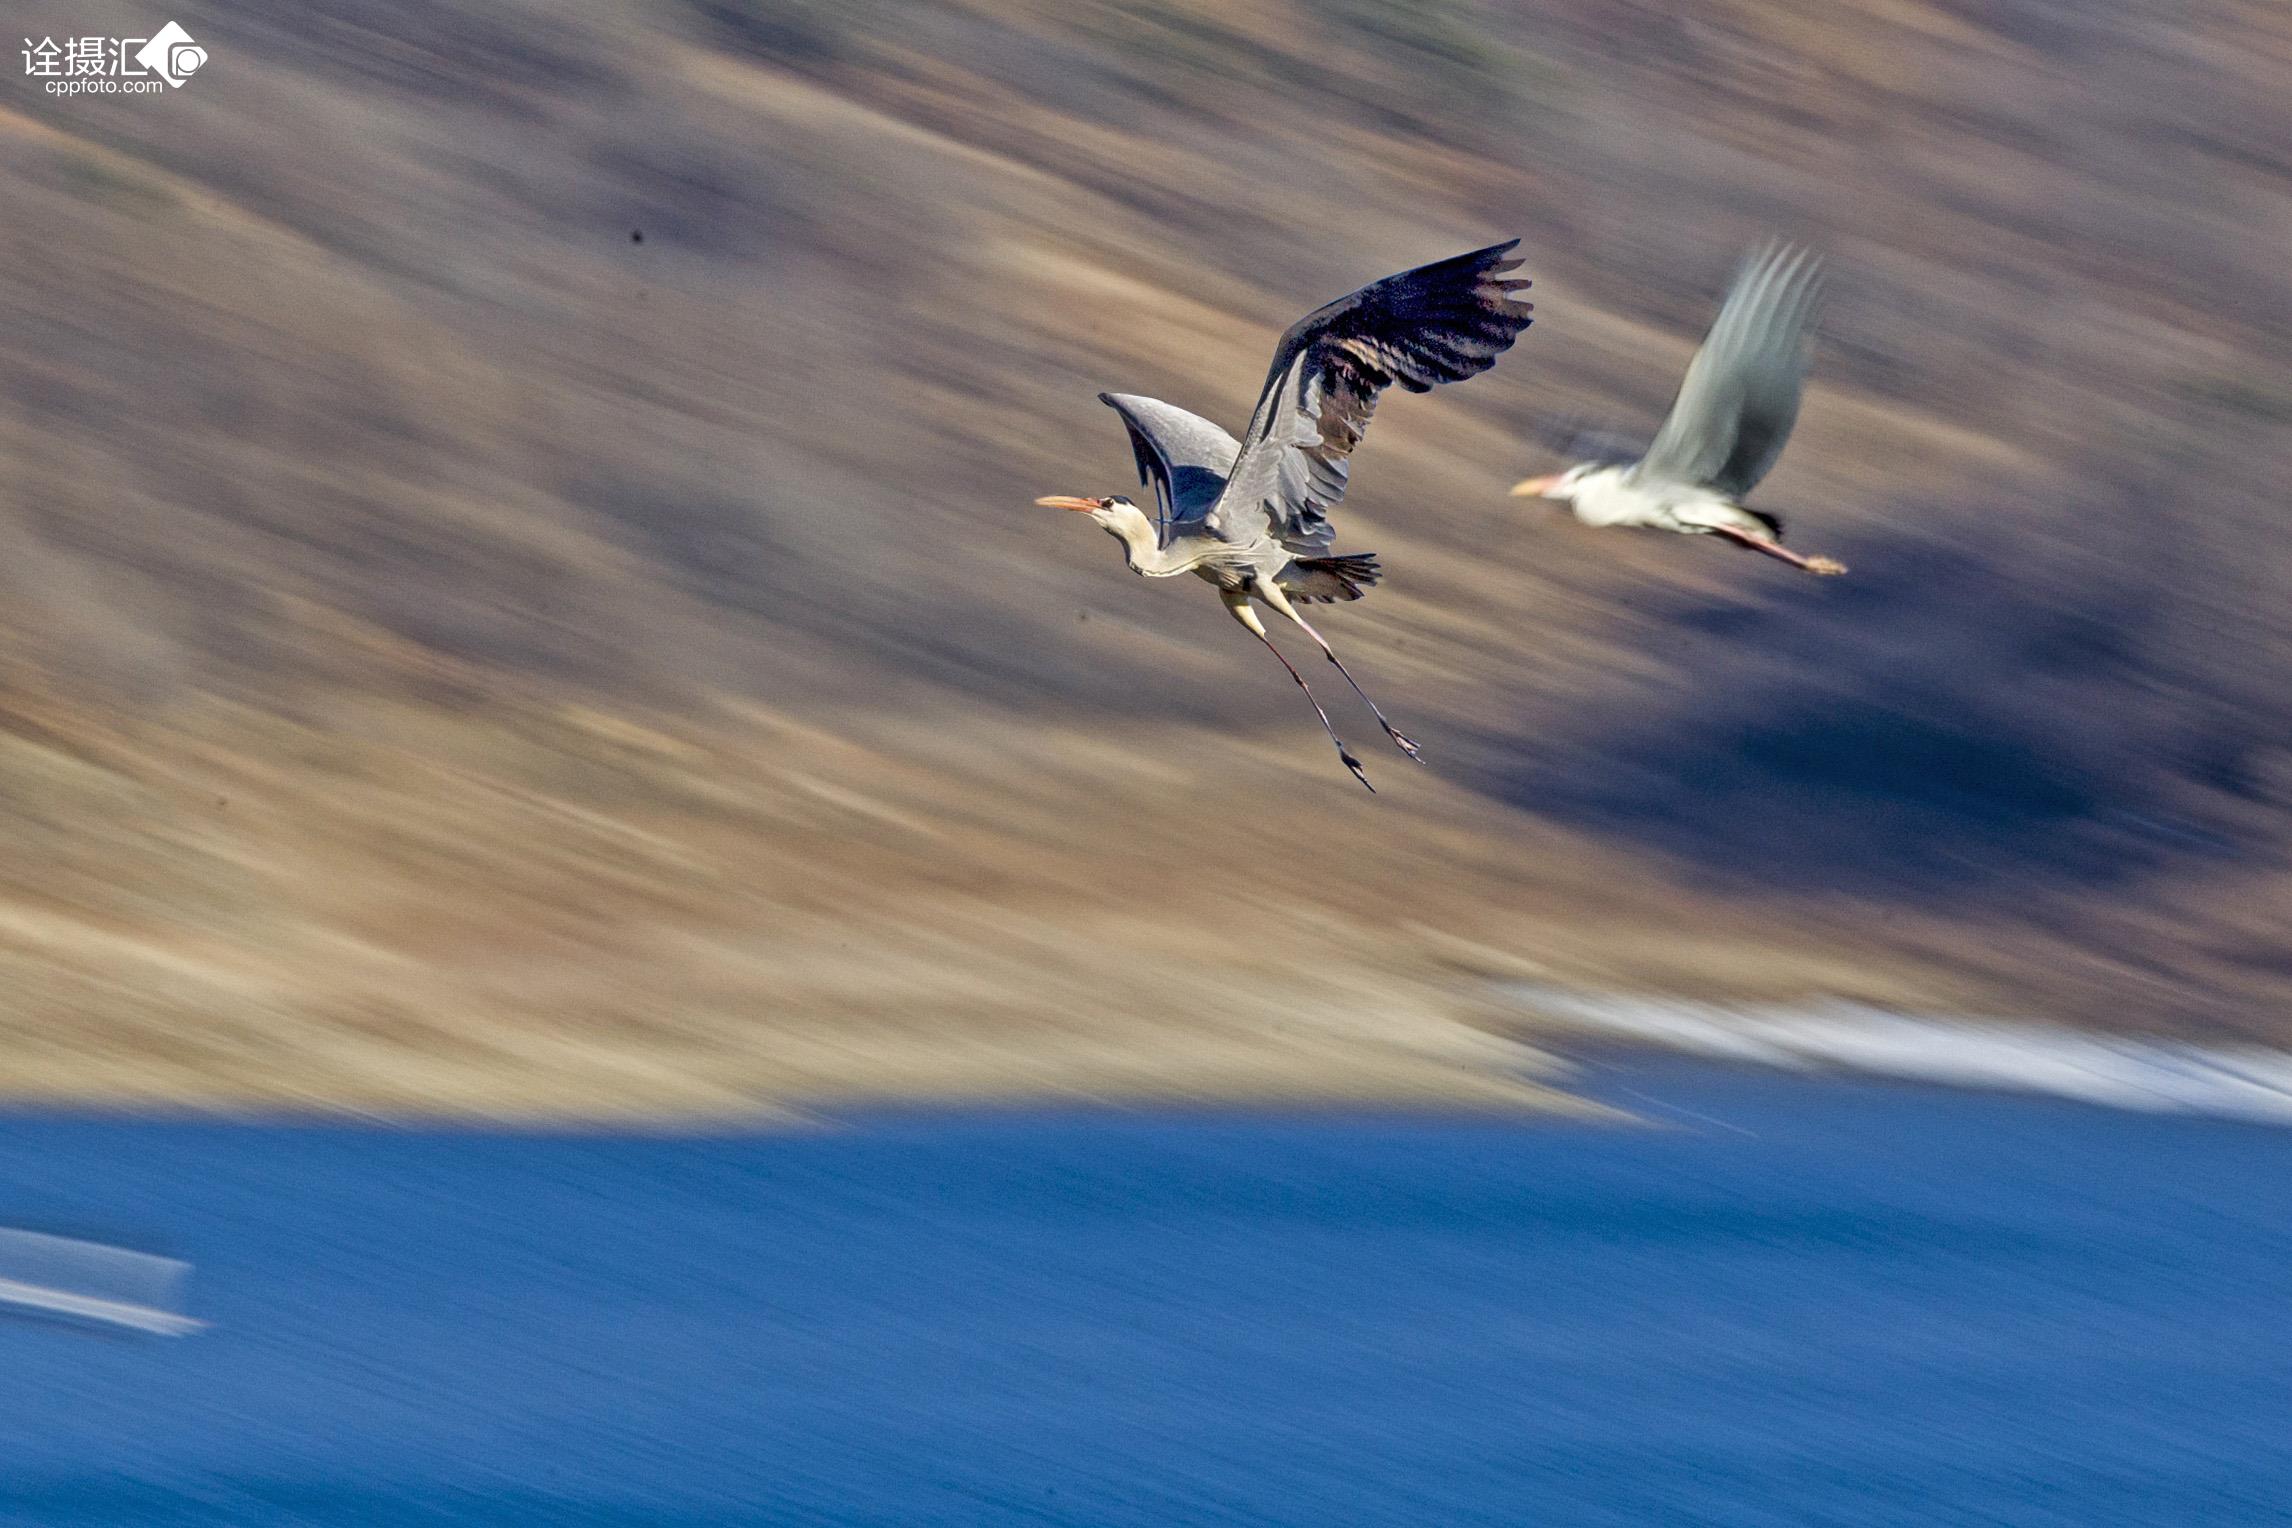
(1252, 516)
(1733, 413)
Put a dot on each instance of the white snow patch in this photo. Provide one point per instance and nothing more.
(2235, 1082)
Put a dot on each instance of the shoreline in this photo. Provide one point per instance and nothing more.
(1522, 1054)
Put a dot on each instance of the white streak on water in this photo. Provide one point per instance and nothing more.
(62, 1276)
(2236, 1082)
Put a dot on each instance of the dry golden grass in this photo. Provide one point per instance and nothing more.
(460, 659)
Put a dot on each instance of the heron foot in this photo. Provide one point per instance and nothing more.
(1825, 566)
(1354, 765)
(1404, 742)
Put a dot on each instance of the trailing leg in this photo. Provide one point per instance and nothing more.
(1273, 596)
(1237, 603)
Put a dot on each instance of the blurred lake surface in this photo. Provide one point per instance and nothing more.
(1796, 1301)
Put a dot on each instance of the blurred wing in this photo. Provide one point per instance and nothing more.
(1741, 394)
(1572, 438)
(1438, 323)
(1183, 457)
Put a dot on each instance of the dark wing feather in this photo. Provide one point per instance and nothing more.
(1438, 323)
(1326, 580)
(1740, 397)
(1183, 457)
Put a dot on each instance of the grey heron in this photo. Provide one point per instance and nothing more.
(1251, 517)
(1728, 424)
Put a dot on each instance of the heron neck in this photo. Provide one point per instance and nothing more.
(1142, 548)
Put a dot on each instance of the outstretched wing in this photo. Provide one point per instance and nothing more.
(1437, 323)
(1183, 457)
(1741, 394)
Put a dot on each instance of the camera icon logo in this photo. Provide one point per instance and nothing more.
(172, 55)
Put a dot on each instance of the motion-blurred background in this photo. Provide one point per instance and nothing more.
(456, 654)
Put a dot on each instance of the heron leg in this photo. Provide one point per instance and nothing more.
(1273, 596)
(1237, 603)
(1821, 565)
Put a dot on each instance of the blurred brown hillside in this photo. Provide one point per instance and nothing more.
(456, 654)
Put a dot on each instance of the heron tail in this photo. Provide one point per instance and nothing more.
(1323, 580)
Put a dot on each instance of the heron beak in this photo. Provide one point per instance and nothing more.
(1069, 501)
(1535, 487)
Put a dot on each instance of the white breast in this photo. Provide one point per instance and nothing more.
(1605, 498)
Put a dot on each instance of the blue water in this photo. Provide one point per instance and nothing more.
(1806, 1303)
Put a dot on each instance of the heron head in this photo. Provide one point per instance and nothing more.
(1114, 514)
(1558, 485)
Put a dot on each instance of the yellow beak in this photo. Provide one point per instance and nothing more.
(1535, 487)
(1069, 501)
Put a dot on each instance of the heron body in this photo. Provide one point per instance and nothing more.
(1609, 496)
(1181, 543)
(1251, 516)
(1733, 414)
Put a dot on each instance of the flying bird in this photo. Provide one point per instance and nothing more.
(1252, 516)
(1728, 424)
